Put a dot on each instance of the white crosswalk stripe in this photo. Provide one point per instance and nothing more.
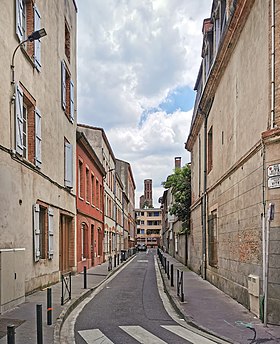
(188, 334)
(143, 336)
(95, 336)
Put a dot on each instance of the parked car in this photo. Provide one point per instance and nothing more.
(142, 247)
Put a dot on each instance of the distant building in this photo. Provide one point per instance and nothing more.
(149, 219)
(90, 205)
(146, 200)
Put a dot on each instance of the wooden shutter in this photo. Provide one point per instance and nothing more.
(50, 233)
(19, 19)
(19, 119)
(72, 101)
(68, 179)
(38, 138)
(63, 86)
(36, 230)
(37, 43)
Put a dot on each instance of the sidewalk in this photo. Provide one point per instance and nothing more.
(210, 309)
(24, 315)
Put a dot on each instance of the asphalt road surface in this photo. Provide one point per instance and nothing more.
(129, 310)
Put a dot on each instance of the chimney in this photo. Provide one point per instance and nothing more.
(178, 162)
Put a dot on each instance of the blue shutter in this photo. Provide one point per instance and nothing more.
(72, 97)
(68, 179)
(37, 43)
(63, 86)
(19, 119)
(36, 230)
(38, 138)
(50, 233)
(19, 19)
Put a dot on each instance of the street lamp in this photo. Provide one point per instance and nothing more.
(33, 37)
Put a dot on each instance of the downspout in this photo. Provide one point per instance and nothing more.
(272, 110)
(204, 200)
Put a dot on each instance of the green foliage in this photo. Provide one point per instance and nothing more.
(180, 184)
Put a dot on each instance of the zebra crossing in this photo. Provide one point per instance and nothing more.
(95, 336)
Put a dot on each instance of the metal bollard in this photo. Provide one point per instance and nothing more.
(172, 275)
(11, 334)
(182, 288)
(118, 259)
(168, 275)
(178, 286)
(39, 324)
(115, 260)
(85, 277)
(165, 265)
(49, 306)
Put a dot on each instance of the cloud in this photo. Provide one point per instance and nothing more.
(137, 60)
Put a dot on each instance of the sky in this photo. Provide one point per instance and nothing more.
(137, 65)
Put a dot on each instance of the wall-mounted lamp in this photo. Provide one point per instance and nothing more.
(33, 37)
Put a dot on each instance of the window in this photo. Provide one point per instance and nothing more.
(43, 232)
(80, 180)
(212, 239)
(67, 92)
(87, 185)
(67, 41)
(210, 150)
(83, 241)
(92, 189)
(68, 164)
(97, 192)
(28, 19)
(28, 127)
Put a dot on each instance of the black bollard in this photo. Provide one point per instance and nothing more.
(115, 260)
(49, 306)
(172, 275)
(11, 334)
(85, 277)
(39, 318)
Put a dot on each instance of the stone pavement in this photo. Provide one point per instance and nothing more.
(210, 309)
(24, 315)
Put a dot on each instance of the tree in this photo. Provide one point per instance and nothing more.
(180, 184)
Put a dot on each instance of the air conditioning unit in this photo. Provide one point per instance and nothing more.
(254, 293)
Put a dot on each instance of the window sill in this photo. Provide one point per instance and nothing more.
(81, 198)
(93, 206)
(87, 202)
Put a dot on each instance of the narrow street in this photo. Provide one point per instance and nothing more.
(129, 310)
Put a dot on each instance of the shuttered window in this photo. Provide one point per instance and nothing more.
(67, 93)
(37, 43)
(68, 160)
(36, 224)
(38, 139)
(50, 233)
(20, 19)
(19, 119)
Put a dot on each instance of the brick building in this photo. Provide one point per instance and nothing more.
(37, 145)
(90, 205)
(234, 143)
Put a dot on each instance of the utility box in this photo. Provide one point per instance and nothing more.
(12, 278)
(254, 294)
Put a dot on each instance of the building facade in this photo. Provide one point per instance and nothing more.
(149, 226)
(124, 170)
(37, 145)
(234, 143)
(90, 205)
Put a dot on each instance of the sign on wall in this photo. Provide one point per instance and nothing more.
(273, 173)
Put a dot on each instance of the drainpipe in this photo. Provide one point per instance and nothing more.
(204, 198)
(272, 111)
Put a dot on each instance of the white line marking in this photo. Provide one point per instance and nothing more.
(94, 337)
(143, 336)
(142, 261)
(187, 334)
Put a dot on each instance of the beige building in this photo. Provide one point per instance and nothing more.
(37, 145)
(149, 226)
(234, 144)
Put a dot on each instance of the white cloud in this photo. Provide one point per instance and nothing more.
(131, 54)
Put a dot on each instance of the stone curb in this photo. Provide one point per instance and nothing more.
(172, 296)
(75, 302)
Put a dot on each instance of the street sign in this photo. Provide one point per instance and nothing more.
(273, 170)
(274, 182)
